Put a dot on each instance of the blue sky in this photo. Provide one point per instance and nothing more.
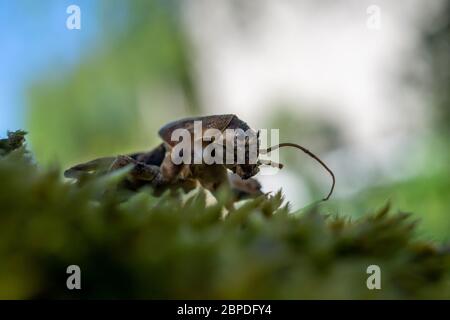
(33, 36)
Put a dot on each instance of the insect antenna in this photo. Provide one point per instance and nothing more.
(312, 155)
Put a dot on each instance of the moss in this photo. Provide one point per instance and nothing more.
(175, 246)
(14, 141)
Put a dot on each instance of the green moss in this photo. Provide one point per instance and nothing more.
(177, 247)
(14, 141)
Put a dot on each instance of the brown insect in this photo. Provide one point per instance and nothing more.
(157, 169)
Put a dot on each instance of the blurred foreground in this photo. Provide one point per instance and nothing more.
(177, 247)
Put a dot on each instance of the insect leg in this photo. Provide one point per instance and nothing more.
(244, 188)
(100, 164)
(140, 171)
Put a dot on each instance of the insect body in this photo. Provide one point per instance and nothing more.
(158, 168)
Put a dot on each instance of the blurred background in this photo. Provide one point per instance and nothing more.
(363, 84)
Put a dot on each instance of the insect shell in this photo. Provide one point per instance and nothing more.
(245, 142)
(157, 168)
(248, 168)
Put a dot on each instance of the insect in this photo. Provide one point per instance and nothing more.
(157, 168)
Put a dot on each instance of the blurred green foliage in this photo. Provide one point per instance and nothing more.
(425, 193)
(426, 196)
(177, 247)
(114, 100)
